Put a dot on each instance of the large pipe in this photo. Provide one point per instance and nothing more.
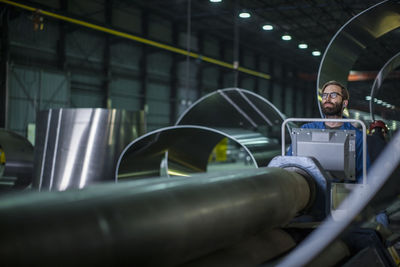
(156, 222)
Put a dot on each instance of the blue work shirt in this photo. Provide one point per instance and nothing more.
(359, 144)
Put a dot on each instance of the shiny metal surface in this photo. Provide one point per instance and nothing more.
(176, 150)
(353, 38)
(18, 167)
(151, 222)
(392, 64)
(77, 147)
(232, 108)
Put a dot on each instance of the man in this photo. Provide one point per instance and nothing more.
(335, 98)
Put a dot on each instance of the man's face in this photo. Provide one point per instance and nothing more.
(333, 106)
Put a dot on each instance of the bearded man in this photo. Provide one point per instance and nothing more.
(335, 98)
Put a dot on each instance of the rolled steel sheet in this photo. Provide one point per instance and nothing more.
(150, 222)
(18, 165)
(353, 38)
(243, 115)
(232, 108)
(77, 147)
(175, 150)
(392, 64)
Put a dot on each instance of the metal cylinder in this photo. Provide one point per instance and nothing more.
(77, 147)
(159, 222)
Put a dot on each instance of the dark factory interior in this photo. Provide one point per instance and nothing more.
(199, 133)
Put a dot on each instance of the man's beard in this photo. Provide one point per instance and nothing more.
(335, 110)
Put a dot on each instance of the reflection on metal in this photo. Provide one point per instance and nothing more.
(16, 160)
(130, 223)
(232, 108)
(176, 150)
(76, 147)
(354, 37)
(243, 115)
(389, 66)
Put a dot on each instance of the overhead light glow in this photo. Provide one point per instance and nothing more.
(368, 97)
(286, 37)
(316, 53)
(244, 15)
(267, 27)
(215, 1)
(379, 101)
(303, 46)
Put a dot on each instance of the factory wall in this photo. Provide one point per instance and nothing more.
(67, 65)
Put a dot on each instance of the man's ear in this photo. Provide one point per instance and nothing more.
(345, 102)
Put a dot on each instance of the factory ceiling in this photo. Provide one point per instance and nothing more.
(313, 22)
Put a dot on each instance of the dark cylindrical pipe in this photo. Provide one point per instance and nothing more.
(161, 222)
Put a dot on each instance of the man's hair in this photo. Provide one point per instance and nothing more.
(345, 93)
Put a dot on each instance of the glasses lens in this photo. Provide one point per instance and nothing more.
(333, 95)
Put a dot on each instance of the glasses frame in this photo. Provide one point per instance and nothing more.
(330, 95)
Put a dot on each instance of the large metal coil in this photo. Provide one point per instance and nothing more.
(353, 39)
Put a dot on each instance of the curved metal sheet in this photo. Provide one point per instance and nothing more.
(353, 38)
(18, 158)
(232, 108)
(243, 115)
(176, 150)
(76, 147)
(392, 64)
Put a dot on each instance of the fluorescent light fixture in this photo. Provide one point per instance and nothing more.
(384, 103)
(286, 37)
(316, 53)
(379, 101)
(215, 1)
(368, 97)
(267, 27)
(393, 107)
(303, 46)
(375, 100)
(244, 15)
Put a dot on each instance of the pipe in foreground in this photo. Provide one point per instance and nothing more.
(160, 223)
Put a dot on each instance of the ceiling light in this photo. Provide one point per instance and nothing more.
(379, 101)
(303, 46)
(244, 15)
(267, 27)
(316, 53)
(215, 1)
(286, 37)
(368, 97)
